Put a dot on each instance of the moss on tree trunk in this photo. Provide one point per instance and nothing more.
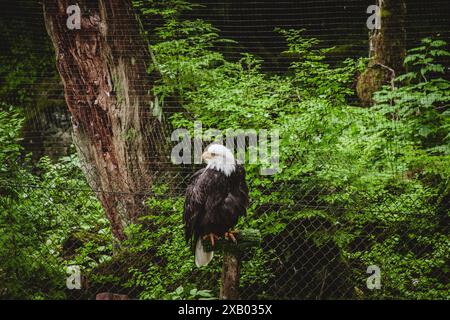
(387, 50)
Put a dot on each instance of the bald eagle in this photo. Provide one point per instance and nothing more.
(215, 199)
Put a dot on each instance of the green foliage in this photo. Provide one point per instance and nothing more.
(311, 70)
(10, 125)
(193, 294)
(422, 99)
(41, 216)
(167, 9)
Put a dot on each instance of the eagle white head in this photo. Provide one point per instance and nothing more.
(220, 158)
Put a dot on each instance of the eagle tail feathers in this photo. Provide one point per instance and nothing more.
(202, 258)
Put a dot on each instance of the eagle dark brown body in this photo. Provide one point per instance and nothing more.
(214, 203)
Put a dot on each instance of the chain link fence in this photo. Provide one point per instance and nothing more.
(304, 257)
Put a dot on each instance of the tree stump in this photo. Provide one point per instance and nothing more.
(233, 255)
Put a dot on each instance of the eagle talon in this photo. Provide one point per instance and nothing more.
(212, 237)
(230, 236)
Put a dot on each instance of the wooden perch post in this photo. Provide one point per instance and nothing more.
(229, 289)
(233, 254)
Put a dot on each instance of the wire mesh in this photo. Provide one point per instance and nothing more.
(302, 261)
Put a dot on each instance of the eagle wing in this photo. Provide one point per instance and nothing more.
(243, 188)
(196, 197)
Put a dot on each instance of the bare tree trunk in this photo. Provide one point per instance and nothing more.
(119, 138)
(387, 50)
